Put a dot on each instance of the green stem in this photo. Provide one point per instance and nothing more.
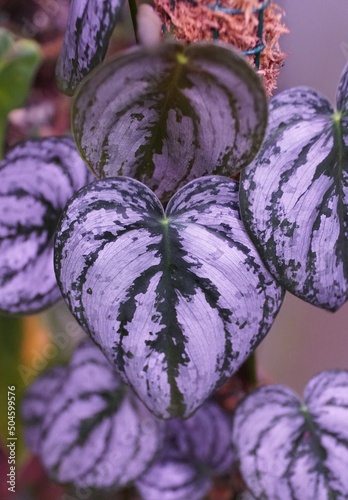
(134, 12)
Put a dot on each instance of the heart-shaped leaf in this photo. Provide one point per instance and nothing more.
(289, 450)
(170, 114)
(202, 438)
(37, 179)
(173, 478)
(35, 403)
(90, 26)
(294, 196)
(93, 432)
(194, 449)
(177, 300)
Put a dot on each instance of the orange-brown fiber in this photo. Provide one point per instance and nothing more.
(192, 21)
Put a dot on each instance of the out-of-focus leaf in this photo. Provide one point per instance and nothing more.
(294, 197)
(89, 29)
(293, 451)
(37, 179)
(194, 450)
(19, 60)
(170, 114)
(203, 438)
(35, 404)
(92, 432)
(173, 478)
(177, 300)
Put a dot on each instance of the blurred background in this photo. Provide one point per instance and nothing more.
(305, 340)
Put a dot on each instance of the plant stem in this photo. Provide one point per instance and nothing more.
(259, 35)
(134, 12)
(248, 371)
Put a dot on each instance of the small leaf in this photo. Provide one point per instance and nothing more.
(94, 433)
(289, 450)
(170, 114)
(37, 179)
(202, 438)
(19, 61)
(35, 403)
(194, 449)
(90, 26)
(177, 300)
(294, 197)
(173, 478)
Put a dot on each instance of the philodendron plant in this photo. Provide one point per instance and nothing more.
(173, 251)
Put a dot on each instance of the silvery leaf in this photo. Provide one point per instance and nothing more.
(194, 450)
(173, 478)
(35, 402)
(37, 179)
(89, 29)
(203, 438)
(169, 114)
(95, 432)
(176, 300)
(293, 451)
(294, 196)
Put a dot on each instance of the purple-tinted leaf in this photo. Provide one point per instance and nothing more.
(170, 114)
(176, 300)
(288, 450)
(37, 179)
(90, 26)
(95, 433)
(35, 403)
(173, 478)
(194, 449)
(294, 197)
(203, 438)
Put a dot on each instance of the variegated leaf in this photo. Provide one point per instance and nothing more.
(173, 478)
(176, 300)
(203, 438)
(294, 197)
(37, 179)
(35, 403)
(89, 29)
(95, 433)
(169, 114)
(293, 451)
(194, 449)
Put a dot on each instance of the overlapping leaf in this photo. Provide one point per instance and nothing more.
(173, 478)
(294, 196)
(293, 451)
(194, 450)
(176, 300)
(93, 432)
(89, 29)
(35, 404)
(203, 438)
(170, 114)
(37, 179)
